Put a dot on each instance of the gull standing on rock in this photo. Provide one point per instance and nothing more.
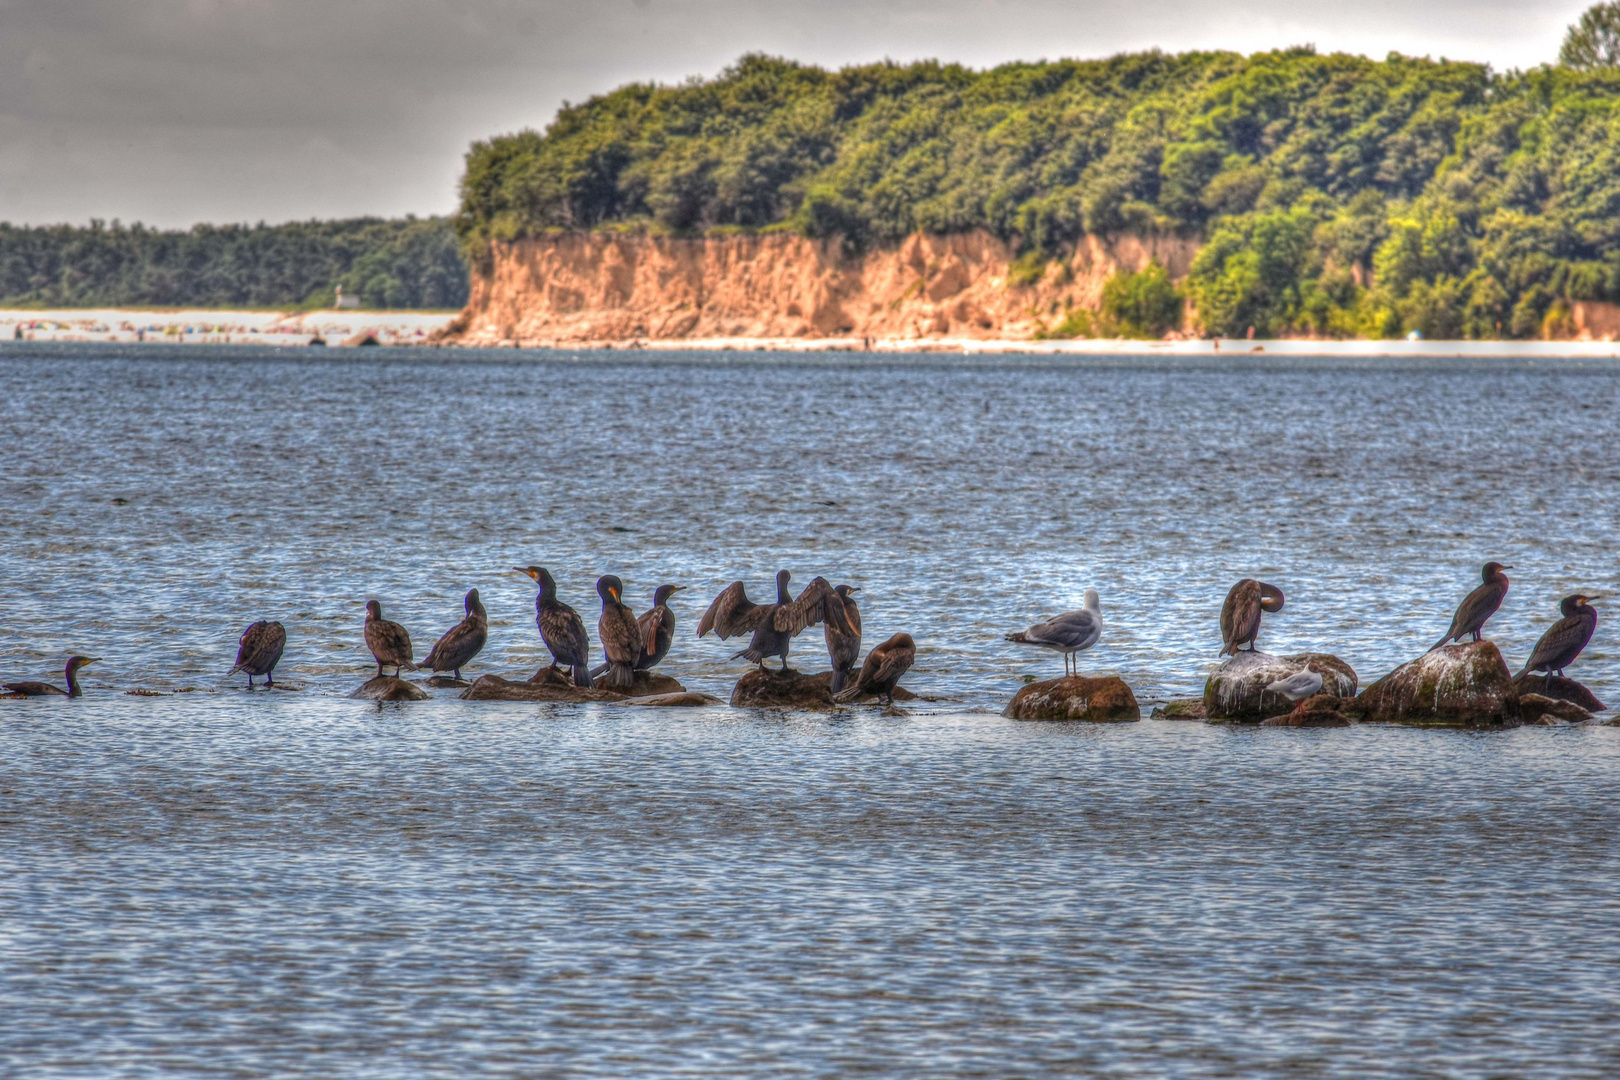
(1300, 685)
(1069, 633)
(1240, 615)
(1477, 606)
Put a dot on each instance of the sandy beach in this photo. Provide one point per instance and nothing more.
(193, 326)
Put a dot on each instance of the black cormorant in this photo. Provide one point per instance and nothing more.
(259, 651)
(773, 625)
(1565, 639)
(657, 628)
(388, 641)
(844, 639)
(462, 641)
(41, 689)
(882, 670)
(561, 628)
(1069, 633)
(619, 631)
(1240, 615)
(1478, 605)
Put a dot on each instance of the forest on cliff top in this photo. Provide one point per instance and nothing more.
(1332, 194)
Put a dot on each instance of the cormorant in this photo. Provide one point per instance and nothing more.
(1478, 605)
(259, 651)
(1069, 633)
(882, 670)
(619, 631)
(41, 689)
(773, 625)
(388, 641)
(1565, 639)
(657, 628)
(1240, 615)
(561, 628)
(844, 641)
(462, 641)
(1300, 685)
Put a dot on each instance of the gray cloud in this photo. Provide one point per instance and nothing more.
(174, 111)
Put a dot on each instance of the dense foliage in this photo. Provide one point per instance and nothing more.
(404, 263)
(1334, 194)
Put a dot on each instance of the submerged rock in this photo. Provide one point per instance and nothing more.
(1181, 709)
(553, 684)
(770, 688)
(1559, 689)
(1236, 691)
(1322, 710)
(674, 701)
(390, 688)
(1540, 709)
(647, 684)
(1076, 697)
(446, 681)
(1465, 685)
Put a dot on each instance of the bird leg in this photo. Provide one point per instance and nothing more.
(268, 681)
(250, 682)
(379, 669)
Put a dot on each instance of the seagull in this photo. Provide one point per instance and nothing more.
(1069, 633)
(1300, 685)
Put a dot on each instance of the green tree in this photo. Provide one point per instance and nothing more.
(1594, 40)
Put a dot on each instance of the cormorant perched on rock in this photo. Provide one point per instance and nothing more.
(462, 641)
(1300, 685)
(1069, 633)
(1240, 615)
(41, 689)
(773, 625)
(619, 631)
(259, 651)
(388, 641)
(561, 628)
(882, 670)
(1478, 605)
(1565, 639)
(657, 628)
(844, 639)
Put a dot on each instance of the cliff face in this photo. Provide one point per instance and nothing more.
(588, 287)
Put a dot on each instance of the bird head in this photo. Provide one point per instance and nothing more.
(76, 662)
(1488, 572)
(1271, 598)
(609, 588)
(664, 592)
(373, 610)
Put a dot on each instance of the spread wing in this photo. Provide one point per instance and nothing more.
(651, 623)
(815, 604)
(732, 613)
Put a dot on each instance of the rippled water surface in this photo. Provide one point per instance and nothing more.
(293, 883)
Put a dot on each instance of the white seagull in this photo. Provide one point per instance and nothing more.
(1069, 633)
(1300, 685)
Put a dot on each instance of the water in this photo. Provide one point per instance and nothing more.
(294, 883)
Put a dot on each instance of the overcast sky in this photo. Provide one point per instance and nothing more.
(178, 111)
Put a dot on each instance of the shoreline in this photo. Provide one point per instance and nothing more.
(417, 329)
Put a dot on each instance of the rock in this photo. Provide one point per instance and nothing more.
(770, 688)
(674, 701)
(1075, 697)
(1236, 691)
(1540, 709)
(1465, 685)
(1181, 709)
(495, 688)
(446, 681)
(647, 684)
(390, 688)
(1559, 689)
(363, 339)
(1322, 710)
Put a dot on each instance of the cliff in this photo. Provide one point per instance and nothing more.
(580, 287)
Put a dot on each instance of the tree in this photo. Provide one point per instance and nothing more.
(1594, 41)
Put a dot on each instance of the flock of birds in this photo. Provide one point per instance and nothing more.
(634, 643)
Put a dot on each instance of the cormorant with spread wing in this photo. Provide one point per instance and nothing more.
(657, 628)
(462, 641)
(259, 651)
(1565, 639)
(1240, 615)
(619, 631)
(773, 625)
(882, 670)
(1477, 606)
(43, 689)
(389, 642)
(561, 628)
(844, 640)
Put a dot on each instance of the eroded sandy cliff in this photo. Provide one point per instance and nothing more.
(589, 287)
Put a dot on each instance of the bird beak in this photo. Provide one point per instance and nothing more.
(522, 571)
(613, 592)
(676, 588)
(1507, 567)
(854, 588)
(89, 660)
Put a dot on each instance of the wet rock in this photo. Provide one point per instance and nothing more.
(1075, 697)
(686, 699)
(1540, 709)
(1465, 685)
(495, 688)
(647, 684)
(1322, 710)
(1181, 709)
(1236, 691)
(770, 688)
(446, 682)
(390, 688)
(1559, 689)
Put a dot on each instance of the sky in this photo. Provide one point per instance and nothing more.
(173, 112)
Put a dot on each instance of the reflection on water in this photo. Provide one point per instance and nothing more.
(296, 883)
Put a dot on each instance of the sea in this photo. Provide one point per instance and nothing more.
(196, 880)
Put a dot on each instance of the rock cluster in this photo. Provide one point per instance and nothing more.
(1076, 697)
(771, 688)
(552, 684)
(1236, 691)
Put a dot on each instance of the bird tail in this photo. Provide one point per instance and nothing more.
(1525, 671)
(753, 656)
(1020, 637)
(622, 675)
(582, 675)
(235, 669)
(596, 672)
(840, 677)
(848, 694)
(1441, 642)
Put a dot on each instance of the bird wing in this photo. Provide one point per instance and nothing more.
(815, 603)
(246, 645)
(1564, 637)
(563, 631)
(891, 664)
(620, 633)
(732, 613)
(1476, 609)
(650, 623)
(1240, 615)
(1071, 630)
